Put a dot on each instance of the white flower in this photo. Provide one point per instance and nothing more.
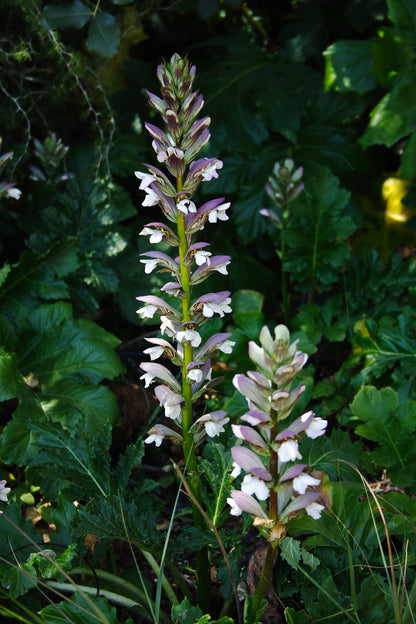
(215, 427)
(195, 375)
(156, 236)
(303, 481)
(201, 257)
(236, 471)
(210, 172)
(209, 308)
(226, 346)
(170, 151)
(147, 311)
(314, 510)
(189, 335)
(316, 428)
(157, 439)
(222, 267)
(14, 193)
(146, 179)
(254, 485)
(167, 327)
(235, 509)
(148, 379)
(154, 352)
(219, 212)
(150, 264)
(288, 451)
(3, 491)
(151, 198)
(172, 411)
(186, 205)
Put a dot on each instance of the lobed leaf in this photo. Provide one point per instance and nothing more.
(317, 233)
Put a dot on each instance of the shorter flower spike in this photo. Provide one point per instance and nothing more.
(268, 461)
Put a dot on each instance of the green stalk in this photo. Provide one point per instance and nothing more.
(284, 287)
(411, 605)
(202, 561)
(352, 576)
(283, 275)
(256, 601)
(253, 614)
(273, 465)
(164, 581)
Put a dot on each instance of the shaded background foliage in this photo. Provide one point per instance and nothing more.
(327, 83)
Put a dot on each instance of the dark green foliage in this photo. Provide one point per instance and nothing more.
(330, 85)
(113, 517)
(315, 261)
(392, 426)
(81, 610)
(88, 214)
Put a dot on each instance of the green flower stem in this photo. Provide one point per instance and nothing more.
(284, 287)
(273, 465)
(283, 274)
(253, 614)
(202, 561)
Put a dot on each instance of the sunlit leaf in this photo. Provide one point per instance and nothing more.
(348, 65)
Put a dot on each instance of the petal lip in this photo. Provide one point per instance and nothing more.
(247, 503)
(162, 373)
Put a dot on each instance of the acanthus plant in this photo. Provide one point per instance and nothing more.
(270, 463)
(283, 188)
(176, 148)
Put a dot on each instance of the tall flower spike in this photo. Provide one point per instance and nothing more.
(171, 186)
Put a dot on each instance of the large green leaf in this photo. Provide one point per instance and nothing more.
(248, 92)
(394, 117)
(388, 347)
(89, 211)
(35, 278)
(67, 16)
(402, 14)
(217, 466)
(81, 463)
(325, 136)
(317, 233)
(103, 35)
(17, 574)
(393, 427)
(56, 380)
(81, 610)
(114, 517)
(78, 350)
(11, 381)
(348, 65)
